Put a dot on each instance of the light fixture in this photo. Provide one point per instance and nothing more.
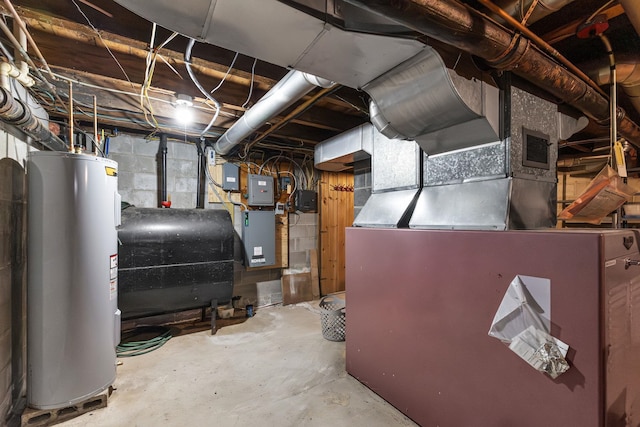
(184, 112)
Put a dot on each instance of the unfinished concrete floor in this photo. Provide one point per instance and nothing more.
(275, 369)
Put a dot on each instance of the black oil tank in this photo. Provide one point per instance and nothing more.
(173, 259)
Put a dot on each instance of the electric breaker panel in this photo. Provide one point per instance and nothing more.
(230, 177)
(260, 190)
(259, 237)
(306, 201)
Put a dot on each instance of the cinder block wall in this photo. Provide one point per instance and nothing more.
(138, 179)
(303, 236)
(13, 273)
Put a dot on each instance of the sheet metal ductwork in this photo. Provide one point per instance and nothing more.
(283, 35)
(395, 172)
(340, 152)
(628, 77)
(461, 27)
(519, 8)
(291, 88)
(632, 9)
(423, 100)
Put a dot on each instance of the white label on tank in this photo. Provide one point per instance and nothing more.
(231, 179)
(113, 267)
(610, 263)
(257, 250)
(113, 289)
(262, 183)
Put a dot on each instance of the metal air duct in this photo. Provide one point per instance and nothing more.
(628, 77)
(460, 26)
(395, 170)
(292, 87)
(519, 8)
(422, 97)
(340, 152)
(282, 35)
(632, 9)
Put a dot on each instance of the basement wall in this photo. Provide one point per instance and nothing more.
(13, 273)
(138, 178)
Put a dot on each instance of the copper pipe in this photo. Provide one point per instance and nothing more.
(541, 44)
(71, 117)
(95, 125)
(464, 28)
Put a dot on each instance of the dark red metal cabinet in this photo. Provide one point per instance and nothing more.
(420, 304)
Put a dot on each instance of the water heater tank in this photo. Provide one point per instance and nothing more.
(73, 321)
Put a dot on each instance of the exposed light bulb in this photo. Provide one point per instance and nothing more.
(184, 113)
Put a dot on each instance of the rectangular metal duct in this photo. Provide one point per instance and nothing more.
(509, 184)
(280, 34)
(395, 172)
(340, 152)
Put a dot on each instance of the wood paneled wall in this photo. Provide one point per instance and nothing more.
(335, 201)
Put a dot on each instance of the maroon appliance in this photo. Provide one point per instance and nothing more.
(420, 304)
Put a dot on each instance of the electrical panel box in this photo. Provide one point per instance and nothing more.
(306, 201)
(230, 177)
(260, 190)
(259, 237)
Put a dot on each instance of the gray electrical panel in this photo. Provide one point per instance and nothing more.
(230, 177)
(259, 237)
(260, 190)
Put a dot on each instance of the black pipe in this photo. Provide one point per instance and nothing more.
(162, 152)
(201, 174)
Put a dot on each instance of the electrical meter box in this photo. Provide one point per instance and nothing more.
(306, 201)
(230, 177)
(259, 237)
(260, 190)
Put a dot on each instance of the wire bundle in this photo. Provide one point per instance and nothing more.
(131, 343)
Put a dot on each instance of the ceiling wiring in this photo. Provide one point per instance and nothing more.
(194, 79)
(253, 74)
(103, 42)
(225, 74)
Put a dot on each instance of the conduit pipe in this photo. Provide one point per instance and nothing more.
(460, 26)
(17, 113)
(291, 88)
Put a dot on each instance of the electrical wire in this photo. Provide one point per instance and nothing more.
(600, 9)
(225, 74)
(129, 347)
(253, 73)
(194, 79)
(103, 42)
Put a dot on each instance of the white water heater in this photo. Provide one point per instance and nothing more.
(73, 323)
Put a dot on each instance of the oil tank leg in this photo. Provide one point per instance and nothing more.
(214, 311)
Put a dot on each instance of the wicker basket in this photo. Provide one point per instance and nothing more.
(332, 317)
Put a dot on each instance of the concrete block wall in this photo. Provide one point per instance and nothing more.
(303, 236)
(13, 274)
(138, 179)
